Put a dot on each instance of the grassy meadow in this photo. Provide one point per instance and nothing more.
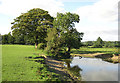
(14, 65)
(20, 63)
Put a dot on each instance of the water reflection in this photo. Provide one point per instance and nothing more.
(95, 69)
(74, 69)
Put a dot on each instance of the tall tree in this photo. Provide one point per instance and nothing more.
(99, 43)
(72, 39)
(64, 35)
(65, 23)
(53, 42)
(33, 24)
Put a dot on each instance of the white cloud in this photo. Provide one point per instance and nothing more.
(99, 19)
(103, 10)
(91, 33)
(16, 7)
(13, 8)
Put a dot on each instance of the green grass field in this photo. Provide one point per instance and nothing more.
(20, 63)
(85, 50)
(18, 66)
(15, 67)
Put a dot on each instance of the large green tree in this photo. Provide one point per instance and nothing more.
(72, 39)
(54, 42)
(64, 35)
(65, 23)
(33, 25)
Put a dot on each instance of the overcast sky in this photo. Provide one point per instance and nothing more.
(98, 18)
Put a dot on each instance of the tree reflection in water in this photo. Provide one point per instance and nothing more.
(75, 70)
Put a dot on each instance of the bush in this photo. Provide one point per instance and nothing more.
(41, 45)
(97, 46)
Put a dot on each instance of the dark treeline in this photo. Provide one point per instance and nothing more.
(9, 39)
(99, 43)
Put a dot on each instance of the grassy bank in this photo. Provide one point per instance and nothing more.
(106, 54)
(85, 50)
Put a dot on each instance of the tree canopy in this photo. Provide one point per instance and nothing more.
(33, 25)
(65, 23)
(64, 36)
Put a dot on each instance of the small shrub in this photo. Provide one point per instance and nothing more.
(41, 45)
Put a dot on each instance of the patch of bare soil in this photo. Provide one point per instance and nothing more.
(88, 55)
(115, 58)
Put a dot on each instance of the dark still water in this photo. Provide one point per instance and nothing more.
(94, 69)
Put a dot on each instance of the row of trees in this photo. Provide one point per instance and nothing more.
(99, 43)
(57, 35)
(10, 39)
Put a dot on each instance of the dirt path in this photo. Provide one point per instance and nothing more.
(55, 64)
(88, 55)
(58, 67)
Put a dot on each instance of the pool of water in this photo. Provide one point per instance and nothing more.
(95, 69)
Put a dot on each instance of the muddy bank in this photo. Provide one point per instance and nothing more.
(107, 57)
(115, 58)
(88, 55)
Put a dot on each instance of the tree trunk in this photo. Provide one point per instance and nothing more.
(36, 44)
(68, 65)
(69, 49)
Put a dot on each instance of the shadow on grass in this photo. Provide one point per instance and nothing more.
(50, 69)
(38, 59)
(62, 75)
